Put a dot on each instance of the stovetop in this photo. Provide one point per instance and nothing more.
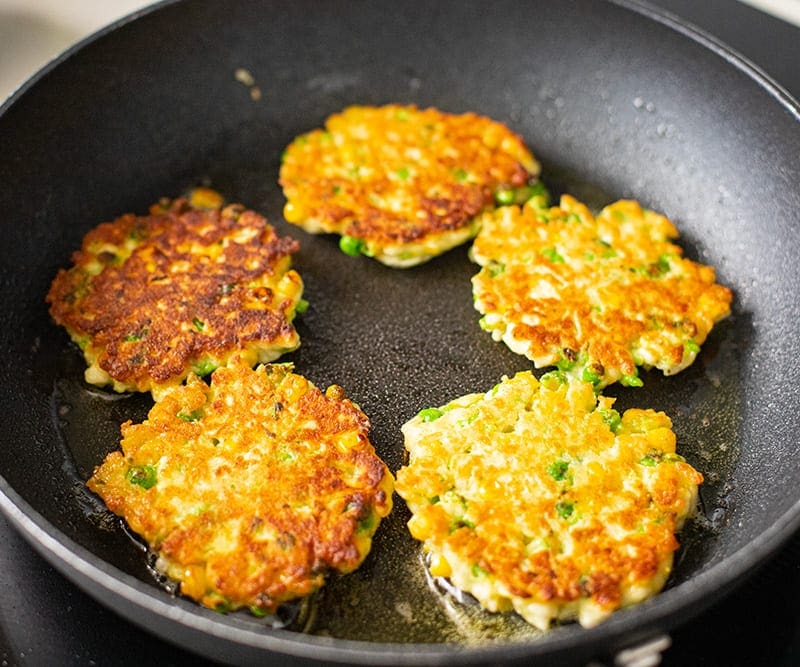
(45, 620)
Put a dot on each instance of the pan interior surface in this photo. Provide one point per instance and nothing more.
(613, 103)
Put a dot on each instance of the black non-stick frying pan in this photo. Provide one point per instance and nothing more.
(615, 100)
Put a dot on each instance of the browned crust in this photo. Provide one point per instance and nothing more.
(484, 494)
(284, 477)
(193, 286)
(341, 179)
(643, 295)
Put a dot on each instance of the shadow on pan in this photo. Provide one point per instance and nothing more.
(615, 102)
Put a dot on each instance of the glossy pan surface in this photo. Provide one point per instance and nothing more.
(614, 100)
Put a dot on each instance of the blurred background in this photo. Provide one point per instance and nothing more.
(32, 32)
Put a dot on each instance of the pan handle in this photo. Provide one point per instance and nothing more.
(644, 654)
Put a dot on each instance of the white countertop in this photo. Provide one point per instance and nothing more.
(33, 32)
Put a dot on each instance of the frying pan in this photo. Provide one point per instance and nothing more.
(615, 100)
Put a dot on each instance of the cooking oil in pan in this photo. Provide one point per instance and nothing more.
(393, 584)
(391, 597)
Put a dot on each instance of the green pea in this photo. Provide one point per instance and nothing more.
(504, 196)
(632, 380)
(558, 470)
(193, 416)
(366, 524)
(611, 418)
(495, 268)
(691, 346)
(553, 379)
(552, 255)
(144, 476)
(461, 522)
(539, 192)
(567, 360)
(478, 571)
(430, 414)
(564, 509)
(352, 246)
(223, 607)
(203, 368)
(590, 375)
(663, 264)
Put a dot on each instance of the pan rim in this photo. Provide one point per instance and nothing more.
(67, 53)
(648, 618)
(716, 46)
(662, 16)
(691, 596)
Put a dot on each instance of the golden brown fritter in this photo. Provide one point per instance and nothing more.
(401, 184)
(596, 296)
(252, 489)
(152, 298)
(540, 497)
